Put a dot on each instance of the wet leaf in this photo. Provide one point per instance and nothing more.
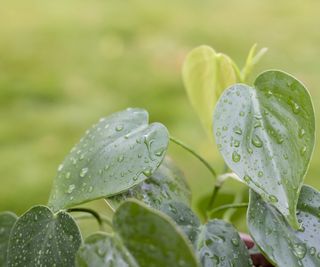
(184, 217)
(41, 238)
(166, 184)
(219, 244)
(206, 74)
(266, 136)
(117, 153)
(151, 237)
(7, 220)
(104, 250)
(283, 245)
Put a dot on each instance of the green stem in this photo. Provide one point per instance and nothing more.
(219, 182)
(208, 166)
(237, 199)
(100, 219)
(228, 206)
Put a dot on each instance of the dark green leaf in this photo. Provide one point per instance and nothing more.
(206, 74)
(103, 250)
(41, 238)
(184, 217)
(7, 220)
(117, 153)
(266, 136)
(283, 245)
(151, 237)
(219, 244)
(167, 183)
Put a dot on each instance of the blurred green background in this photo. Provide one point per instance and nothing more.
(65, 64)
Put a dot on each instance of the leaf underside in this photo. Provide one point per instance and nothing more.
(283, 245)
(266, 136)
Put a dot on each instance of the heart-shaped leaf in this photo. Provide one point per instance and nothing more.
(206, 74)
(266, 136)
(219, 244)
(151, 237)
(117, 153)
(283, 245)
(166, 184)
(184, 217)
(41, 238)
(7, 220)
(103, 250)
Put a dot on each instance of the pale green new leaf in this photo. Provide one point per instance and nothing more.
(266, 135)
(151, 237)
(104, 250)
(220, 245)
(166, 184)
(206, 74)
(283, 245)
(7, 220)
(41, 238)
(117, 153)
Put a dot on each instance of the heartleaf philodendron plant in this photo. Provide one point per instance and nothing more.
(265, 133)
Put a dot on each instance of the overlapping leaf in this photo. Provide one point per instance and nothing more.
(103, 250)
(184, 218)
(219, 244)
(152, 238)
(7, 220)
(117, 153)
(283, 245)
(166, 184)
(266, 136)
(41, 238)
(206, 74)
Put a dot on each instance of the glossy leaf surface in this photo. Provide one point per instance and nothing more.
(103, 250)
(166, 184)
(151, 237)
(266, 136)
(7, 220)
(41, 238)
(184, 217)
(219, 244)
(117, 153)
(206, 74)
(283, 245)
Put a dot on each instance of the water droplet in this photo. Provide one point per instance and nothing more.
(260, 173)
(241, 113)
(71, 188)
(256, 141)
(236, 143)
(269, 93)
(257, 124)
(299, 250)
(301, 132)
(235, 241)
(60, 167)
(172, 208)
(303, 150)
(68, 174)
(106, 167)
(294, 106)
(312, 251)
(83, 172)
(273, 199)
(224, 128)
(160, 152)
(247, 178)
(120, 158)
(249, 149)
(237, 130)
(90, 189)
(235, 156)
(119, 127)
(147, 172)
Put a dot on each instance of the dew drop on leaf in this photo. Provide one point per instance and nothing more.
(256, 141)
(235, 156)
(83, 172)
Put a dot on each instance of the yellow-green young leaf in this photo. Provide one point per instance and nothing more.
(206, 74)
(152, 238)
